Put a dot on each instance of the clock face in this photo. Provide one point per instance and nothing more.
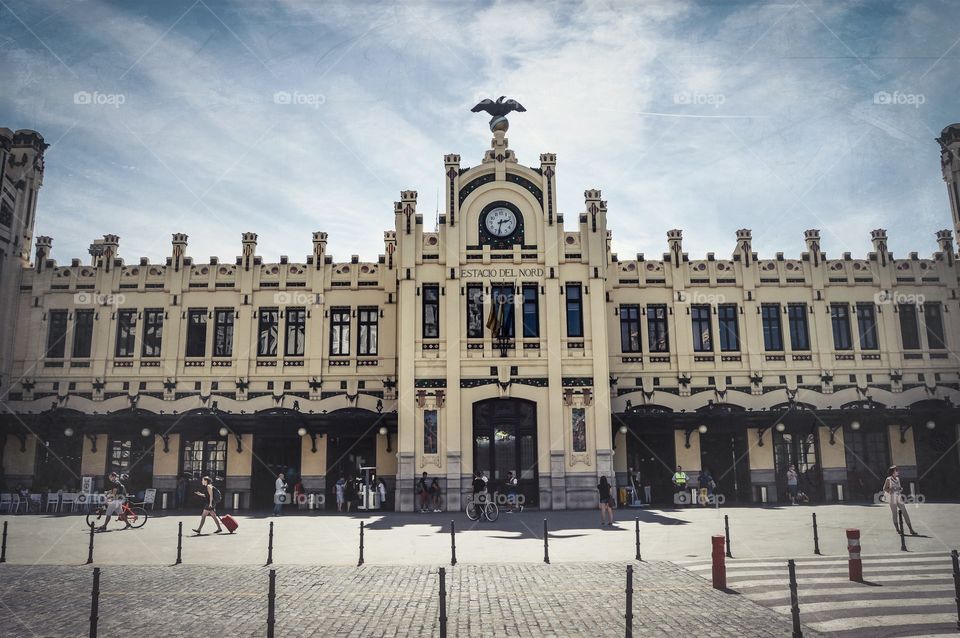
(501, 222)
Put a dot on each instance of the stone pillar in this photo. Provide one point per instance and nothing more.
(762, 468)
(239, 469)
(833, 460)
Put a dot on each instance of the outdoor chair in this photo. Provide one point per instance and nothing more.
(53, 501)
(68, 501)
(6, 502)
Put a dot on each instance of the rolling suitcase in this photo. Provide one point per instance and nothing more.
(229, 522)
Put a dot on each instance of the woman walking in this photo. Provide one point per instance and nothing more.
(895, 498)
(211, 496)
(605, 499)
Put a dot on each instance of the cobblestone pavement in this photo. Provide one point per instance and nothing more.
(585, 599)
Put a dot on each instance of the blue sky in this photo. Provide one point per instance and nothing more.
(707, 117)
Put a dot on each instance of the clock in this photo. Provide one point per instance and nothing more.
(500, 222)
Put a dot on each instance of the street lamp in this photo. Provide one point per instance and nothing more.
(623, 429)
(67, 431)
(145, 432)
(302, 432)
(931, 425)
(383, 430)
(781, 427)
(855, 425)
(224, 431)
(702, 429)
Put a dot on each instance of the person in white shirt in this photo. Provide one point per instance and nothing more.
(279, 495)
(894, 492)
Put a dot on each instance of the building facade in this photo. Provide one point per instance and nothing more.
(502, 342)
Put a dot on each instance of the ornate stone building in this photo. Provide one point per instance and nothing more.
(512, 339)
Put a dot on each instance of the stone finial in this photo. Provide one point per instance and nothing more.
(319, 248)
(592, 195)
(248, 258)
(548, 158)
(879, 238)
(745, 246)
(452, 158)
(675, 242)
(44, 244)
(945, 242)
(812, 237)
(179, 250)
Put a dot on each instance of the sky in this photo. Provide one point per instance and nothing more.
(213, 118)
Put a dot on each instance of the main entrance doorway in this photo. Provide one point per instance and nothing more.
(653, 455)
(798, 447)
(505, 440)
(271, 456)
(346, 454)
(725, 455)
(867, 451)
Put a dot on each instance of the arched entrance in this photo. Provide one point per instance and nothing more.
(505, 440)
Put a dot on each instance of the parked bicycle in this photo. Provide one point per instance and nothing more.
(484, 507)
(136, 515)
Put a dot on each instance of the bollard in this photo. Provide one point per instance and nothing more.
(270, 546)
(719, 563)
(638, 538)
(903, 538)
(726, 527)
(360, 562)
(179, 542)
(956, 583)
(95, 603)
(816, 536)
(453, 543)
(443, 603)
(855, 565)
(3, 545)
(794, 599)
(90, 550)
(546, 547)
(271, 602)
(628, 616)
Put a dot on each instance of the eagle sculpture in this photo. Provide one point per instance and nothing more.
(498, 110)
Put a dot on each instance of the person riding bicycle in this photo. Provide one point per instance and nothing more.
(115, 499)
(479, 487)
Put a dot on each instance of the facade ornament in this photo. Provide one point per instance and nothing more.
(498, 110)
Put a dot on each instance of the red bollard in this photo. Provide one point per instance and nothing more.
(855, 565)
(719, 563)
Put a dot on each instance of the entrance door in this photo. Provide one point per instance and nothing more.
(799, 449)
(58, 464)
(271, 456)
(505, 440)
(725, 455)
(868, 458)
(654, 456)
(938, 460)
(345, 456)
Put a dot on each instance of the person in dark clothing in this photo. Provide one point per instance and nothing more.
(423, 490)
(350, 492)
(605, 510)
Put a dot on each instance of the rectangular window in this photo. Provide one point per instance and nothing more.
(126, 333)
(502, 321)
(267, 332)
(630, 328)
(367, 325)
(197, 332)
(658, 337)
(531, 311)
(579, 429)
(430, 432)
(431, 311)
(728, 325)
(82, 333)
(909, 330)
(574, 311)
(700, 320)
(340, 331)
(799, 333)
(474, 311)
(56, 334)
(933, 319)
(223, 332)
(867, 326)
(152, 332)
(296, 337)
(840, 320)
(772, 328)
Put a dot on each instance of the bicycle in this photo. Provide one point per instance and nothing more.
(482, 506)
(136, 516)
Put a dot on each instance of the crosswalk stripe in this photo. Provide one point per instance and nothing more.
(806, 574)
(891, 620)
(842, 593)
(898, 605)
(820, 559)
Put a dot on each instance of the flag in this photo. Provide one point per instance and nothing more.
(495, 320)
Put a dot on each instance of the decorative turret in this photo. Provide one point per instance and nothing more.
(949, 141)
(390, 246)
(879, 238)
(945, 242)
(744, 246)
(548, 168)
(675, 244)
(319, 249)
(407, 207)
(812, 237)
(451, 163)
(179, 251)
(248, 257)
(44, 244)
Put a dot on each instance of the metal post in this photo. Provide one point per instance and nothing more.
(271, 601)
(628, 616)
(546, 546)
(443, 603)
(719, 563)
(90, 550)
(3, 545)
(794, 599)
(453, 543)
(270, 546)
(854, 564)
(638, 537)
(95, 603)
(726, 527)
(816, 536)
(360, 562)
(956, 583)
(179, 542)
(903, 538)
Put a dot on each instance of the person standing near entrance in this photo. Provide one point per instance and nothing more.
(895, 498)
(680, 496)
(279, 494)
(793, 481)
(706, 484)
(606, 509)
(512, 484)
(423, 489)
(349, 492)
(339, 490)
(181, 493)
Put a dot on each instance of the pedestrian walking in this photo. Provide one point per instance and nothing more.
(339, 490)
(606, 501)
(793, 482)
(211, 497)
(180, 496)
(423, 489)
(706, 484)
(349, 492)
(895, 498)
(382, 491)
(435, 495)
(679, 480)
(512, 488)
(279, 494)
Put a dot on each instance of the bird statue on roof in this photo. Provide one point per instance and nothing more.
(498, 110)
